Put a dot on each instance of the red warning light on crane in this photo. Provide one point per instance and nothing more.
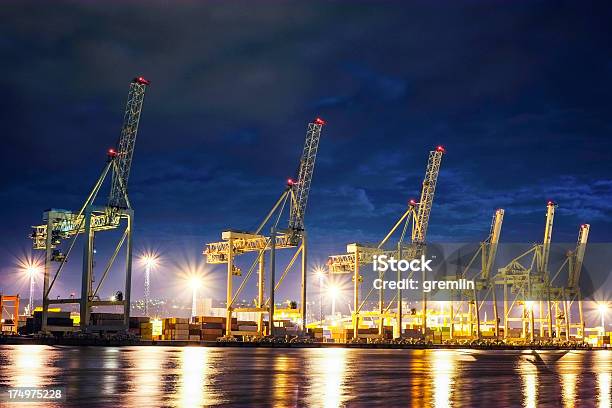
(440, 149)
(112, 153)
(551, 202)
(290, 182)
(319, 121)
(412, 202)
(142, 80)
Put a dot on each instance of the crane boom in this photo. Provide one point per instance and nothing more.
(550, 216)
(302, 185)
(427, 195)
(496, 226)
(125, 147)
(578, 257)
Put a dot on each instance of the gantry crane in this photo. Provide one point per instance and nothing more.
(565, 297)
(487, 251)
(294, 236)
(64, 225)
(529, 282)
(10, 325)
(358, 255)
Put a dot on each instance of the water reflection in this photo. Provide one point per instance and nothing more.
(193, 378)
(199, 376)
(569, 369)
(603, 363)
(327, 374)
(529, 376)
(30, 364)
(110, 365)
(568, 389)
(443, 369)
(146, 374)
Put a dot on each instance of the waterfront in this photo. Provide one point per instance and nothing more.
(207, 376)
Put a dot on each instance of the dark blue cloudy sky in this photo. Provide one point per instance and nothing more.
(518, 92)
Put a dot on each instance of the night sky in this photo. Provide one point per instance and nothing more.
(517, 92)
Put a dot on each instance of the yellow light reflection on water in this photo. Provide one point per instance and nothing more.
(195, 388)
(568, 389)
(110, 366)
(569, 368)
(30, 364)
(603, 366)
(327, 372)
(148, 371)
(281, 380)
(444, 367)
(145, 369)
(529, 376)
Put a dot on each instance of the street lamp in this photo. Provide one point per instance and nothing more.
(320, 273)
(31, 270)
(195, 282)
(150, 261)
(603, 307)
(30, 267)
(333, 292)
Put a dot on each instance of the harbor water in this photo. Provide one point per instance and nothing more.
(154, 376)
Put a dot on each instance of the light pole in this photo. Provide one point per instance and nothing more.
(195, 285)
(603, 307)
(32, 271)
(149, 260)
(31, 268)
(333, 294)
(320, 273)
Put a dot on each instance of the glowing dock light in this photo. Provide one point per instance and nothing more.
(195, 282)
(150, 260)
(31, 267)
(333, 292)
(603, 308)
(319, 272)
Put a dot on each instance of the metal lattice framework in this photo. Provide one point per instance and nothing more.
(68, 224)
(307, 164)
(529, 280)
(564, 298)
(357, 255)
(126, 144)
(417, 212)
(295, 197)
(577, 257)
(486, 252)
(427, 195)
(63, 225)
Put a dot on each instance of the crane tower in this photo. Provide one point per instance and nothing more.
(293, 236)
(64, 225)
(417, 216)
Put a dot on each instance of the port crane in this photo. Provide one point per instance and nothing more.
(565, 297)
(357, 255)
(64, 225)
(235, 243)
(483, 281)
(527, 277)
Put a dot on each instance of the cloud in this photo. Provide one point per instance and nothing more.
(523, 118)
